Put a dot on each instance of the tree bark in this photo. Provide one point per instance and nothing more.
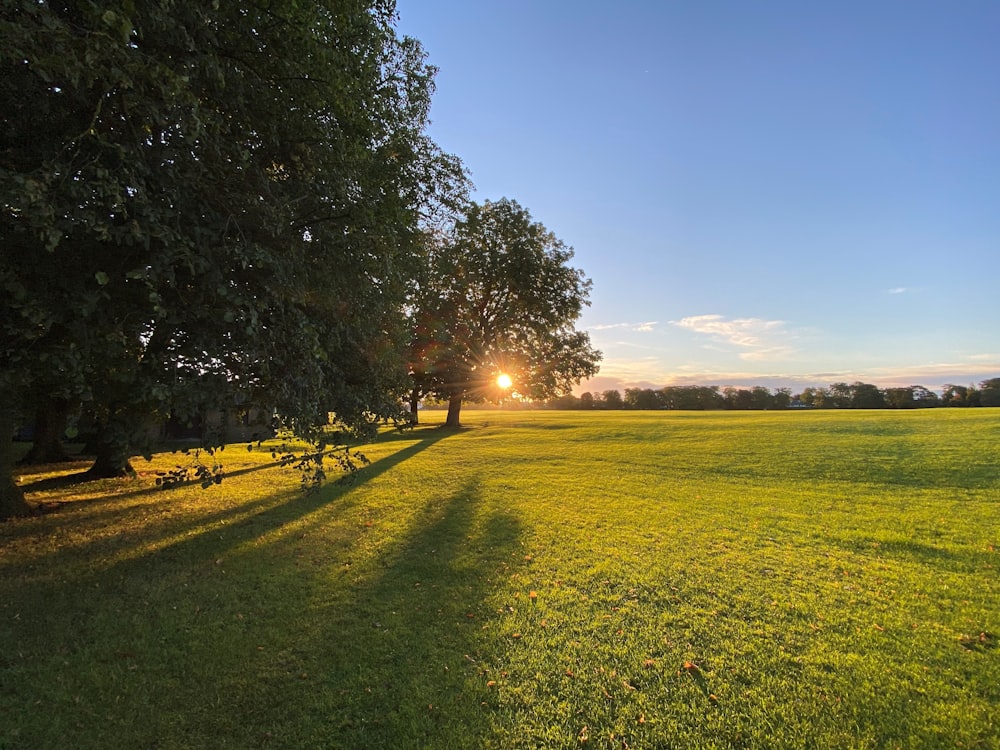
(111, 458)
(51, 417)
(414, 404)
(12, 502)
(454, 410)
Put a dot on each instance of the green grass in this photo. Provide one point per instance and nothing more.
(540, 579)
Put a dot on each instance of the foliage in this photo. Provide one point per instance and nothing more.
(210, 205)
(989, 392)
(781, 580)
(499, 297)
(839, 395)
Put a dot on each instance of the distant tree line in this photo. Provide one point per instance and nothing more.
(856, 395)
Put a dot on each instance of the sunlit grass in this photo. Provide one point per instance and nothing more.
(824, 579)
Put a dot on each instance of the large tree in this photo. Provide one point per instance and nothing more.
(208, 204)
(989, 392)
(499, 297)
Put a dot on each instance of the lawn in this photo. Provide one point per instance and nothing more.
(536, 580)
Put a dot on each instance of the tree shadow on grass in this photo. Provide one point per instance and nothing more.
(925, 554)
(264, 640)
(420, 440)
(160, 534)
(73, 473)
(400, 655)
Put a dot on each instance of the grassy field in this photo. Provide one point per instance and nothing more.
(537, 580)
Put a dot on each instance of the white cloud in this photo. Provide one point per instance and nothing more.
(768, 353)
(897, 290)
(640, 327)
(761, 339)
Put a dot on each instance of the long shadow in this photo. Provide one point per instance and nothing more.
(421, 439)
(257, 517)
(911, 550)
(418, 675)
(276, 639)
(415, 435)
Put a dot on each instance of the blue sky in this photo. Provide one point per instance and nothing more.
(773, 193)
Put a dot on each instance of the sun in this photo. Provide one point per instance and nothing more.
(504, 381)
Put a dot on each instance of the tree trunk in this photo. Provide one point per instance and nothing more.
(50, 425)
(414, 403)
(12, 502)
(454, 409)
(111, 458)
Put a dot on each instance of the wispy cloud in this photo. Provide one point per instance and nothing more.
(897, 290)
(760, 339)
(640, 327)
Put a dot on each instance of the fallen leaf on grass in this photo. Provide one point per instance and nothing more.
(694, 672)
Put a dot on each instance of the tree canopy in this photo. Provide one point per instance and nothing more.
(498, 297)
(211, 204)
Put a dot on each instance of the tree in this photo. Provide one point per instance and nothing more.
(866, 396)
(989, 392)
(782, 398)
(500, 298)
(12, 502)
(955, 395)
(761, 398)
(821, 398)
(924, 397)
(613, 399)
(643, 398)
(564, 402)
(807, 396)
(839, 396)
(690, 397)
(203, 205)
(50, 423)
(910, 397)
(737, 398)
(899, 398)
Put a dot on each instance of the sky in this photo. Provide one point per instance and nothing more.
(774, 193)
